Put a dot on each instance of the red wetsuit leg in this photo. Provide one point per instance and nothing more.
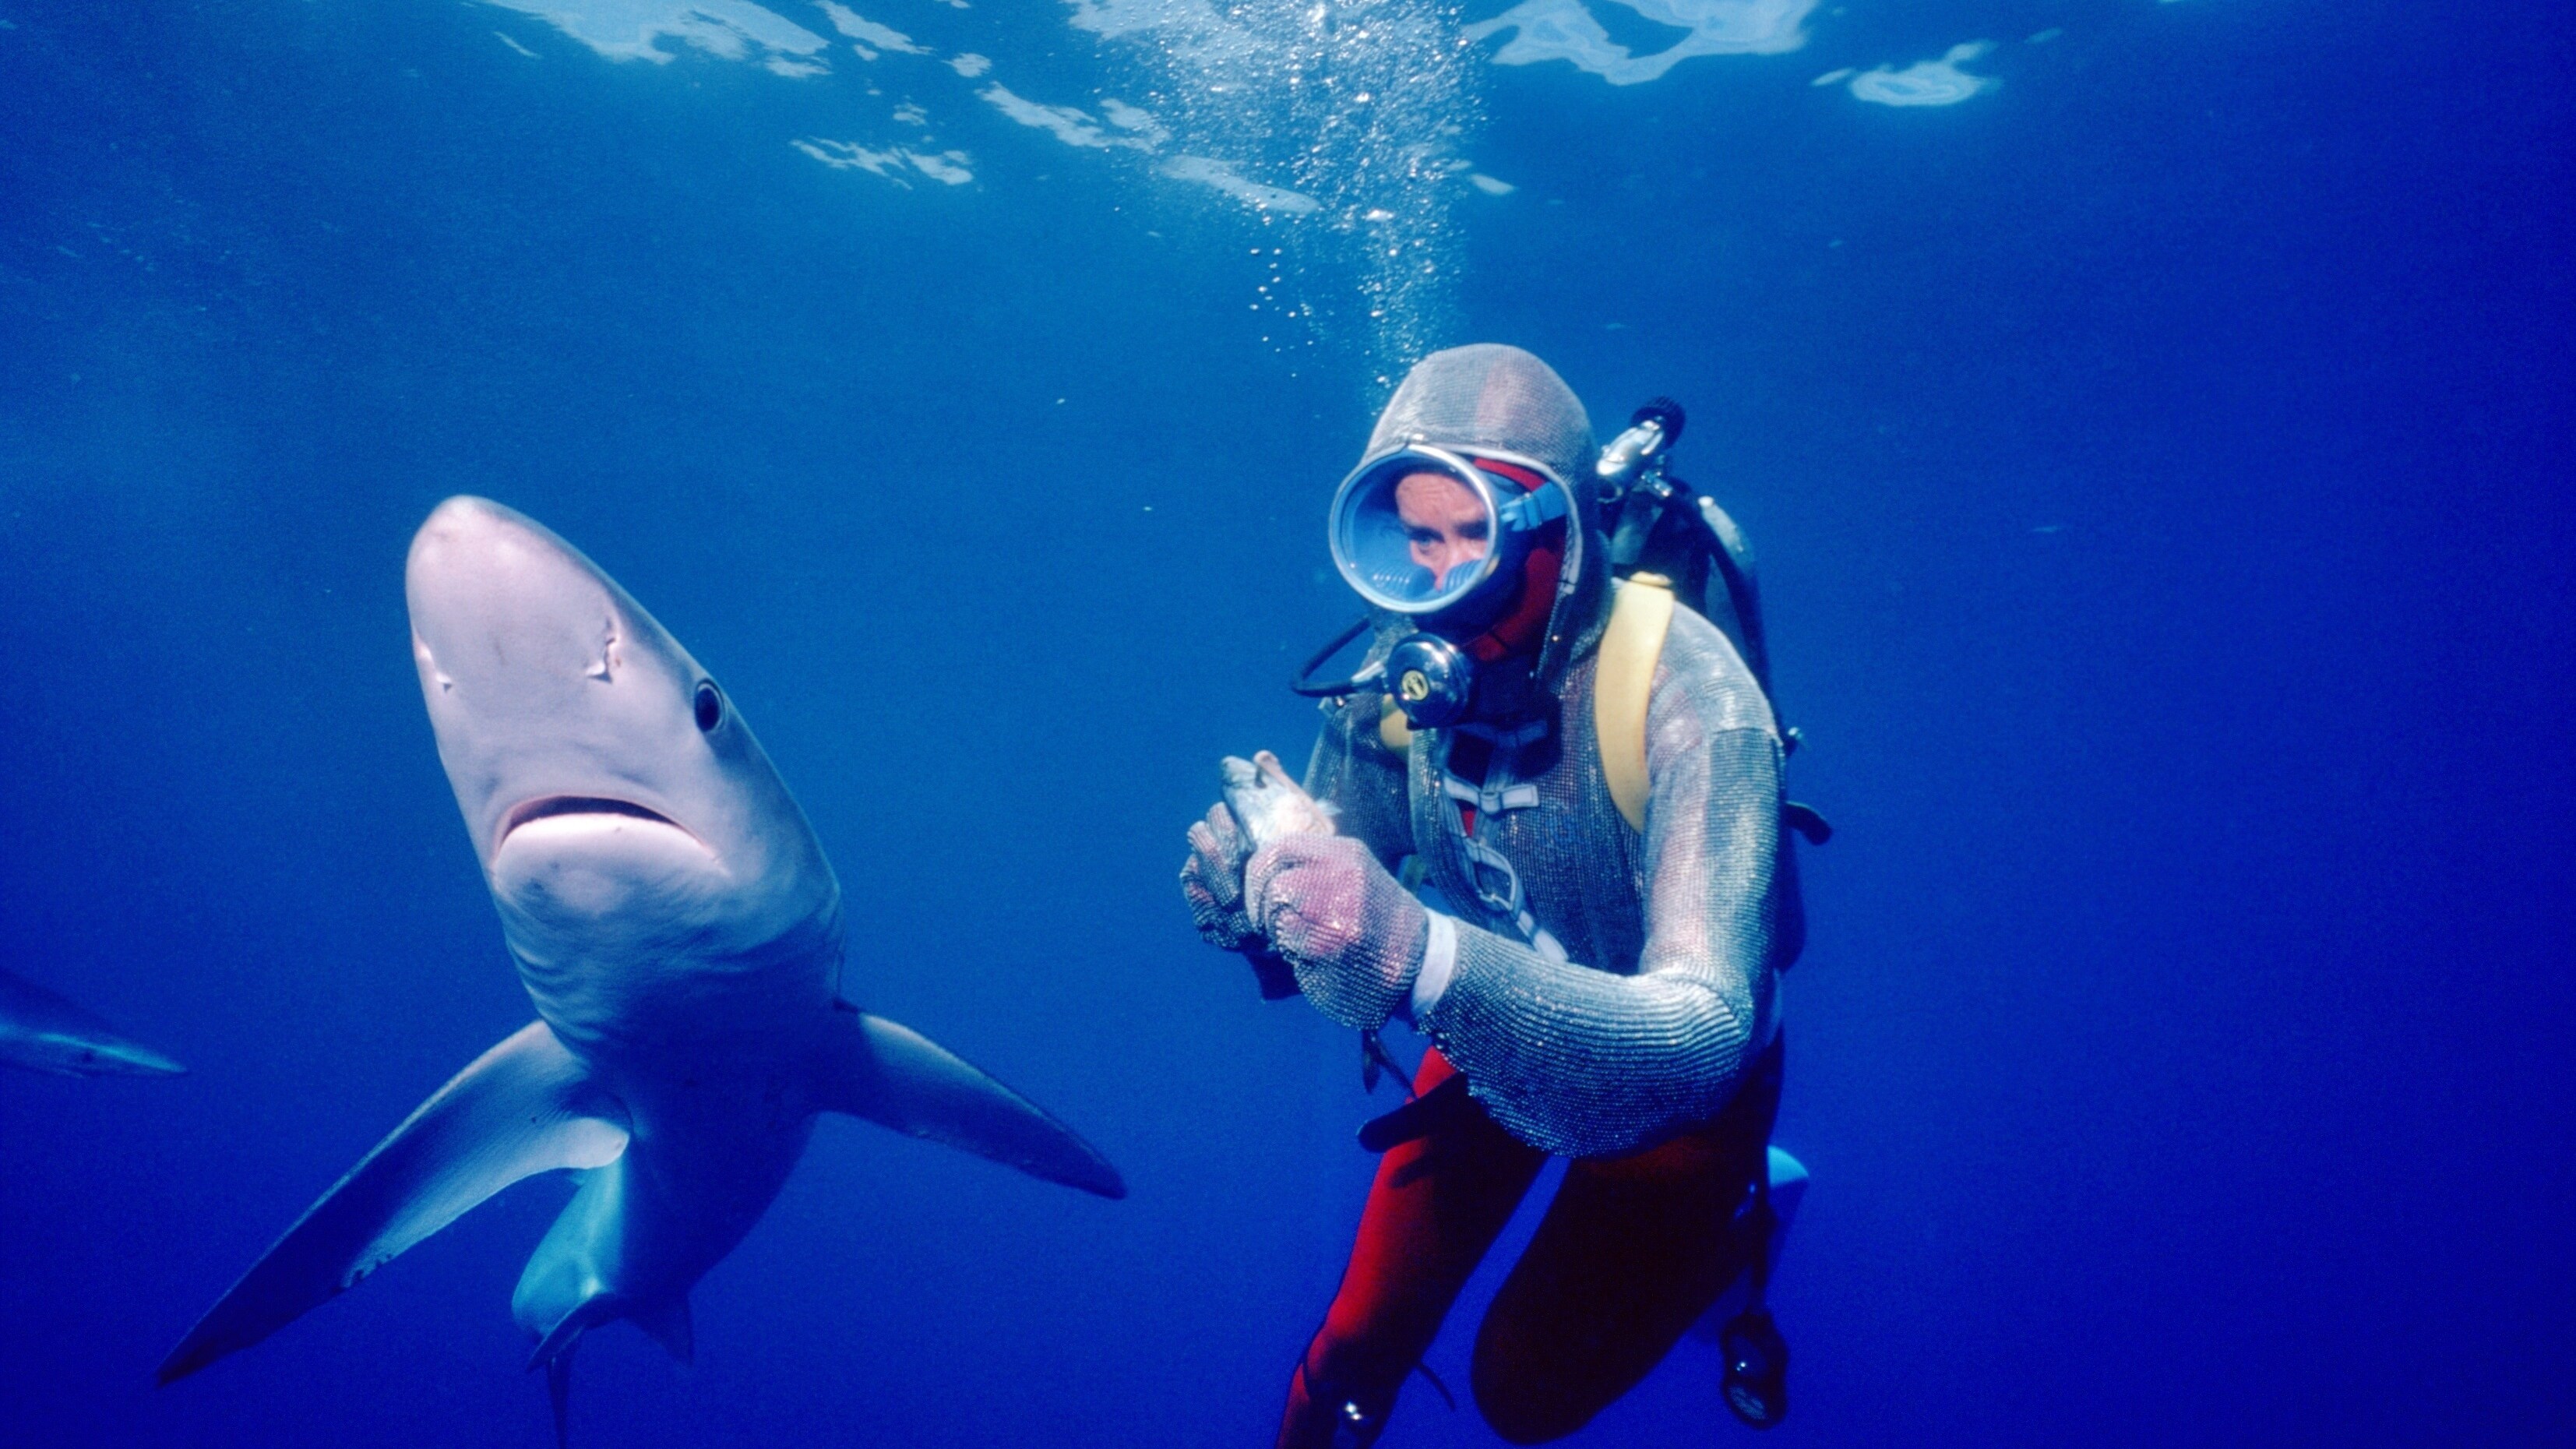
(1438, 1203)
(1631, 1253)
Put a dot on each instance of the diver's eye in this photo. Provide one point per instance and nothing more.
(710, 707)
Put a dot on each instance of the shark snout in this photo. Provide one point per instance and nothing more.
(471, 535)
(498, 600)
(556, 699)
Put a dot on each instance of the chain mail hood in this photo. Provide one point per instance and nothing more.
(1489, 398)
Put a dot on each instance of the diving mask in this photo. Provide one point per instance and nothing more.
(1421, 529)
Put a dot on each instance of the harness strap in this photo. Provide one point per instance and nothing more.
(1640, 614)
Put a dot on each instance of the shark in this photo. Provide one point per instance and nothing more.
(678, 929)
(44, 1032)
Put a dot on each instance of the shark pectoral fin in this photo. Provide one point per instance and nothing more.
(524, 1107)
(897, 1078)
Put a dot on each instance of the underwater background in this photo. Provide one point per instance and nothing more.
(2153, 419)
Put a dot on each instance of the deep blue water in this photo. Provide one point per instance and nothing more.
(2160, 464)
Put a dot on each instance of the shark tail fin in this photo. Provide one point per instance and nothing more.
(560, 1340)
(668, 1325)
(559, 1395)
(524, 1107)
(897, 1078)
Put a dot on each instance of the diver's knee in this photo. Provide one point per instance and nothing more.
(1350, 1366)
(1522, 1403)
(1531, 1422)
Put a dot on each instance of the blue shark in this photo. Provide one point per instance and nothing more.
(43, 1032)
(679, 931)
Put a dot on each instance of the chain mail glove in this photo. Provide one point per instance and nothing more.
(1212, 882)
(1353, 934)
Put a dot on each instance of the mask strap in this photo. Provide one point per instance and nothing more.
(1539, 502)
(1533, 510)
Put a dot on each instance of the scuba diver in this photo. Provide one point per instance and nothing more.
(1552, 839)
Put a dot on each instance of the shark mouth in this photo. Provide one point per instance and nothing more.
(548, 807)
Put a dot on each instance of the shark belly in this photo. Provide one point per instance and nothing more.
(674, 1015)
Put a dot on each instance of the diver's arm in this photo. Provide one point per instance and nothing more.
(1583, 1062)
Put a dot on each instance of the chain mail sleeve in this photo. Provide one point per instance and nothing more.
(1584, 1060)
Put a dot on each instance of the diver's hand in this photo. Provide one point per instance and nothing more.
(1212, 882)
(1354, 936)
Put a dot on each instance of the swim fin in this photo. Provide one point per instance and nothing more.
(1756, 1380)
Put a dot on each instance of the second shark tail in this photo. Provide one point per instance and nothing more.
(44, 1032)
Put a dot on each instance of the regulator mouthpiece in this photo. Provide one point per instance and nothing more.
(1432, 680)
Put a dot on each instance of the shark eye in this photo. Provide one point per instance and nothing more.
(710, 707)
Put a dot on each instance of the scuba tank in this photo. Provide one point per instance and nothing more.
(1659, 525)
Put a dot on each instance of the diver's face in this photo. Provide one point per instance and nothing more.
(1445, 523)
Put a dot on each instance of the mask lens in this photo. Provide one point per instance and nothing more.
(1416, 532)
